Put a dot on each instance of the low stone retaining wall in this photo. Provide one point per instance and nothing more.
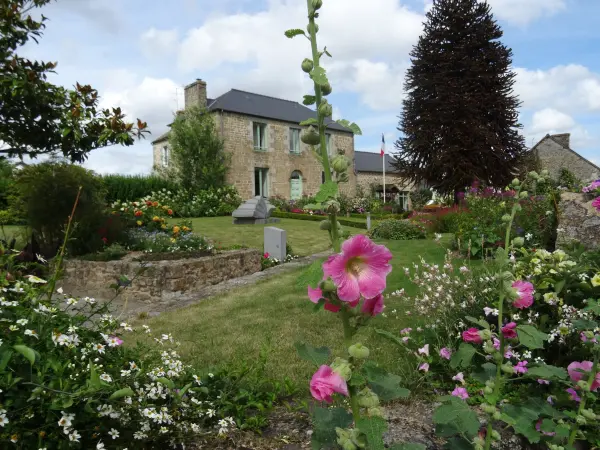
(578, 221)
(162, 282)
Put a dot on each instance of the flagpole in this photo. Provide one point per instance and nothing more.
(383, 163)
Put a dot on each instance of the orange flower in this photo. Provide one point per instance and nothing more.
(176, 229)
(155, 204)
(170, 212)
(184, 228)
(156, 219)
(138, 213)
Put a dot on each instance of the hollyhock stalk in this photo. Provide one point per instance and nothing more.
(590, 381)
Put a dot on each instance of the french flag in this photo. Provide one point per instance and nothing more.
(382, 145)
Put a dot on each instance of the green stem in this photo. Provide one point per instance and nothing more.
(347, 327)
(61, 254)
(590, 381)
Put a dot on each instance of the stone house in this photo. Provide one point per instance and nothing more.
(554, 153)
(263, 136)
(369, 178)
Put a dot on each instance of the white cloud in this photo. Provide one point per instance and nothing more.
(551, 121)
(572, 88)
(158, 43)
(523, 12)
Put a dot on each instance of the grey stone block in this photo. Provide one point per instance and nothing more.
(275, 242)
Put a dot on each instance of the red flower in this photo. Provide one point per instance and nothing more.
(148, 203)
(266, 255)
(170, 212)
(105, 240)
(138, 213)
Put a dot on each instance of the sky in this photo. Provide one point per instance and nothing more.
(139, 55)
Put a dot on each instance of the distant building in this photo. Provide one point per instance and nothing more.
(369, 172)
(554, 153)
(263, 136)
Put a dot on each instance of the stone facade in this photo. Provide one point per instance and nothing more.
(162, 283)
(578, 221)
(366, 179)
(277, 162)
(554, 153)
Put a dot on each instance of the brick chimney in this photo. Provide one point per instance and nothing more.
(195, 94)
(563, 139)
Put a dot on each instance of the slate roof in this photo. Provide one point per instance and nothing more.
(371, 162)
(262, 106)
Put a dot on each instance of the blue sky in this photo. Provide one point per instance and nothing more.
(140, 54)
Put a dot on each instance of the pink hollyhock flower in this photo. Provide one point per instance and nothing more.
(266, 255)
(472, 335)
(325, 382)
(372, 306)
(459, 377)
(460, 392)
(521, 367)
(316, 294)
(424, 350)
(574, 396)
(361, 268)
(596, 203)
(577, 371)
(509, 330)
(584, 338)
(424, 367)
(445, 353)
(525, 291)
(540, 381)
(496, 342)
(538, 427)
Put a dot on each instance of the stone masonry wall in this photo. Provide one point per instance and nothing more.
(162, 282)
(554, 157)
(578, 221)
(365, 179)
(238, 133)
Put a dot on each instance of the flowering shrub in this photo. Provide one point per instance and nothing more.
(397, 230)
(67, 381)
(209, 203)
(147, 214)
(267, 261)
(593, 190)
(168, 242)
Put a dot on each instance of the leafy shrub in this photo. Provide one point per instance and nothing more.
(317, 218)
(420, 198)
(45, 195)
(567, 179)
(110, 253)
(397, 230)
(210, 203)
(163, 242)
(133, 187)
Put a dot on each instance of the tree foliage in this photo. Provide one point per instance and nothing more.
(199, 161)
(38, 117)
(460, 118)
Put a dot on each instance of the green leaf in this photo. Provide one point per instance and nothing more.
(67, 402)
(487, 373)
(385, 385)
(482, 323)
(351, 126)
(314, 206)
(410, 446)
(309, 100)
(522, 418)
(27, 352)
(559, 286)
(125, 392)
(94, 380)
(319, 76)
(66, 132)
(166, 382)
(458, 443)
(317, 356)
(327, 189)
(373, 428)
(357, 379)
(582, 324)
(390, 336)
(311, 276)
(294, 32)
(547, 372)
(307, 122)
(6, 355)
(593, 306)
(463, 357)
(325, 420)
(531, 337)
(457, 414)
(562, 431)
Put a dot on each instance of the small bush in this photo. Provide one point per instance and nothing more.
(45, 195)
(210, 203)
(317, 218)
(397, 230)
(133, 187)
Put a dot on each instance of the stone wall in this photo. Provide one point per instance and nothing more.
(365, 179)
(578, 221)
(553, 157)
(162, 282)
(237, 130)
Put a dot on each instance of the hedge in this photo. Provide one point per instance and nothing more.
(317, 218)
(134, 187)
(381, 216)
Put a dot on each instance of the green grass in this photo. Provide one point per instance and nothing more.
(305, 237)
(274, 314)
(7, 232)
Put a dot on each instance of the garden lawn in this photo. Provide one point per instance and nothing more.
(274, 314)
(7, 232)
(304, 236)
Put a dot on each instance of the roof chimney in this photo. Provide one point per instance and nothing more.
(563, 139)
(195, 94)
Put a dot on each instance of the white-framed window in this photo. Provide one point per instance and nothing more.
(403, 198)
(295, 140)
(261, 181)
(259, 134)
(165, 156)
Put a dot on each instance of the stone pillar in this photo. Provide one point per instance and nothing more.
(275, 242)
(195, 94)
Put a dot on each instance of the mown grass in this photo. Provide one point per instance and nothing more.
(274, 314)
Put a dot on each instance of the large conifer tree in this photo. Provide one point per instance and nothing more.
(460, 118)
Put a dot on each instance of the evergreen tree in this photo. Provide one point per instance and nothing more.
(199, 160)
(460, 118)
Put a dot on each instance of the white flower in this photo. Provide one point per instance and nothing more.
(114, 433)
(74, 436)
(529, 236)
(106, 377)
(126, 326)
(13, 328)
(59, 290)
(99, 348)
(31, 333)
(35, 280)
(100, 446)
(3, 420)
(22, 322)
(72, 301)
(489, 311)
